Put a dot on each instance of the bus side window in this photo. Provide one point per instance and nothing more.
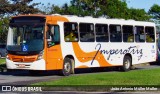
(53, 35)
(115, 33)
(128, 34)
(70, 32)
(86, 32)
(150, 34)
(139, 34)
(102, 33)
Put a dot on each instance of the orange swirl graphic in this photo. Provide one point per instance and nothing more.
(85, 57)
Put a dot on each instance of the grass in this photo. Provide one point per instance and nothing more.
(2, 64)
(135, 77)
(2, 61)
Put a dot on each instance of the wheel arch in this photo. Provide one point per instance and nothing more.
(69, 56)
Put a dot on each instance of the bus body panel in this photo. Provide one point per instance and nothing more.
(88, 54)
(54, 58)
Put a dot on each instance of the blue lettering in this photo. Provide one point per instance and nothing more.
(131, 50)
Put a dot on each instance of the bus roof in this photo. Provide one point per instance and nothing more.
(89, 19)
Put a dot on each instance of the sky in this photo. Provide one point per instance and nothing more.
(142, 4)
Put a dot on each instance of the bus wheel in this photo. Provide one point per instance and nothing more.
(67, 67)
(126, 63)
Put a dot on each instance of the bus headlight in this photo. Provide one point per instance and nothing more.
(7, 57)
(40, 56)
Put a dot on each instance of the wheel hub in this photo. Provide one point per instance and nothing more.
(127, 64)
(67, 67)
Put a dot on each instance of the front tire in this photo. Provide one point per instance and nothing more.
(67, 67)
(126, 63)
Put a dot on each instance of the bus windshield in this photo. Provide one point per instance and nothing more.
(25, 38)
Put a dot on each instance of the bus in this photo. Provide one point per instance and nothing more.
(66, 42)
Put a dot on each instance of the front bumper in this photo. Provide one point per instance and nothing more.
(36, 65)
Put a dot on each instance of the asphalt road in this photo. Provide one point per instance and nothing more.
(19, 77)
(24, 78)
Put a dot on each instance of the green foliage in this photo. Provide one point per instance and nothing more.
(14, 7)
(45, 9)
(155, 11)
(138, 14)
(2, 61)
(4, 22)
(5, 7)
(24, 7)
(99, 8)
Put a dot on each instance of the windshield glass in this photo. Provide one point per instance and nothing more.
(25, 38)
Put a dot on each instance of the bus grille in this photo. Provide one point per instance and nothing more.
(23, 60)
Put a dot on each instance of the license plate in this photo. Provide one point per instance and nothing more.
(21, 65)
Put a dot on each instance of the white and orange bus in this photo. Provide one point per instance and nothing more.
(65, 42)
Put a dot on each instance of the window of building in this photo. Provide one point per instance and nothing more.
(70, 32)
(86, 32)
(139, 34)
(150, 34)
(115, 33)
(128, 35)
(101, 33)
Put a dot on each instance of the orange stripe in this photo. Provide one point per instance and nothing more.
(80, 54)
(83, 66)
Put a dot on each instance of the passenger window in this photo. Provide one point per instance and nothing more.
(101, 33)
(150, 34)
(70, 32)
(86, 32)
(128, 34)
(115, 33)
(139, 34)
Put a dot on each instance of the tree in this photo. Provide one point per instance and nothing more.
(155, 11)
(4, 22)
(105, 8)
(116, 9)
(15, 7)
(138, 14)
(87, 7)
(23, 7)
(46, 9)
(5, 7)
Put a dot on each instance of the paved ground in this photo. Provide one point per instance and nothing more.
(24, 78)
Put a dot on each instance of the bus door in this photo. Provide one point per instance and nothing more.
(53, 55)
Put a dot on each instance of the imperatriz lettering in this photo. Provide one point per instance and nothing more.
(131, 50)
